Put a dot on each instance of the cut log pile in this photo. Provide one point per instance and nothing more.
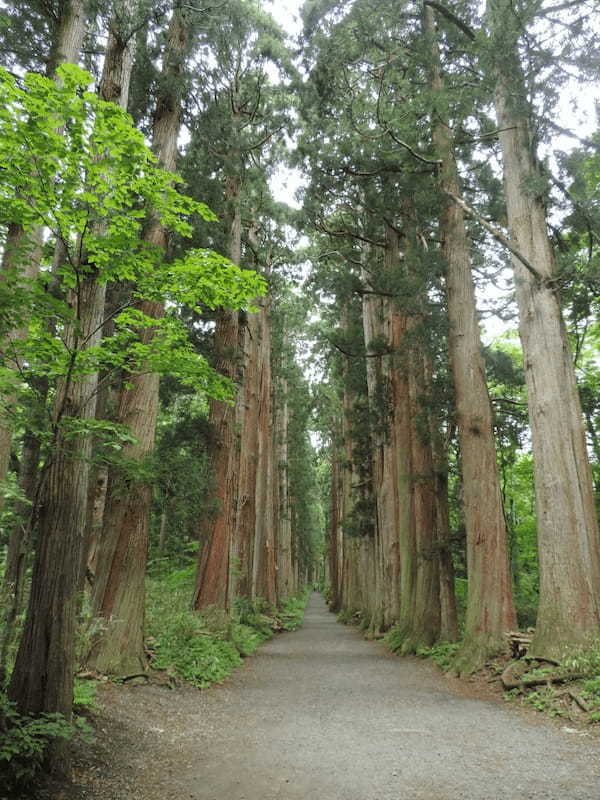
(519, 642)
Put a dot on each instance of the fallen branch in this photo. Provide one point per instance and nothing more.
(578, 701)
(143, 675)
(546, 680)
(542, 658)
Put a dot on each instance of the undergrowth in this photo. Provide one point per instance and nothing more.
(203, 648)
(24, 740)
(441, 653)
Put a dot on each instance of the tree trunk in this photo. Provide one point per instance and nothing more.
(42, 679)
(424, 626)
(264, 530)
(568, 538)
(66, 47)
(218, 541)
(212, 580)
(69, 35)
(285, 573)
(18, 554)
(490, 609)
(448, 611)
(119, 592)
(335, 551)
(385, 586)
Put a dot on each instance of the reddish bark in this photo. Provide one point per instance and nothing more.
(212, 580)
(568, 537)
(42, 679)
(490, 610)
(119, 590)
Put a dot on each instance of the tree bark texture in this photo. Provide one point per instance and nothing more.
(212, 580)
(424, 623)
(119, 592)
(264, 523)
(69, 36)
(568, 538)
(335, 551)
(218, 534)
(448, 610)
(490, 609)
(285, 571)
(42, 679)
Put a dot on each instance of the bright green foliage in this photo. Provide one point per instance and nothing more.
(84, 694)
(24, 740)
(193, 653)
(544, 699)
(78, 167)
(591, 689)
(441, 653)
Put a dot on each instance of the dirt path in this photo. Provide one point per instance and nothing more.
(322, 714)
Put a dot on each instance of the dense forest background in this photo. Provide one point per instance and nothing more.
(211, 398)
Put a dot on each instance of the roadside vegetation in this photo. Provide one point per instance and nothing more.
(200, 649)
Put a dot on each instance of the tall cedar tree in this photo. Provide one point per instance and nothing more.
(119, 591)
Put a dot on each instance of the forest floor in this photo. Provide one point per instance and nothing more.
(322, 714)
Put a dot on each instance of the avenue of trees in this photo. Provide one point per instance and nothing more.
(429, 175)
(159, 307)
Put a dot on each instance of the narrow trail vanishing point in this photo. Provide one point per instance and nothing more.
(322, 714)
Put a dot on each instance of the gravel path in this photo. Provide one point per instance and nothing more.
(322, 714)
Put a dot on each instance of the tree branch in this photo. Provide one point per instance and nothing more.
(434, 163)
(560, 7)
(361, 355)
(497, 234)
(567, 132)
(445, 12)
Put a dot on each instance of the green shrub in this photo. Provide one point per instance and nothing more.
(585, 661)
(545, 699)
(256, 614)
(591, 689)
(198, 656)
(84, 694)
(291, 613)
(441, 653)
(394, 639)
(346, 617)
(24, 740)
